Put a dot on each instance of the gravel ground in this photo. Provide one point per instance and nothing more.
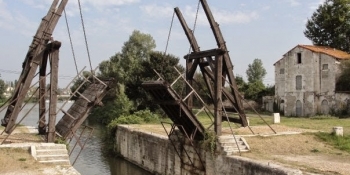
(16, 159)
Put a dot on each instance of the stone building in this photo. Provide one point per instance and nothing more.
(305, 81)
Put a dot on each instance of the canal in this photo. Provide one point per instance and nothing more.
(91, 160)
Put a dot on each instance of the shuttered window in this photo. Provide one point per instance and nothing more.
(298, 82)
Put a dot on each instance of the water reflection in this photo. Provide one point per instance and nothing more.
(91, 160)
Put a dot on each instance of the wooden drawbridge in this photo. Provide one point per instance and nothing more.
(42, 51)
(79, 111)
(175, 108)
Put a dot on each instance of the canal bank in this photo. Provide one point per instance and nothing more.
(156, 154)
(90, 162)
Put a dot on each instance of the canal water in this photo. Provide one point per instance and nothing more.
(91, 160)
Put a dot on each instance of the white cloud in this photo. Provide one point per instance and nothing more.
(104, 3)
(5, 15)
(225, 17)
(314, 6)
(39, 4)
(222, 16)
(294, 3)
(155, 10)
(266, 8)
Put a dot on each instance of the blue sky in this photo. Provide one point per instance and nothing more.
(264, 29)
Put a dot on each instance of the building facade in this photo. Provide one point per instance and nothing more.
(305, 81)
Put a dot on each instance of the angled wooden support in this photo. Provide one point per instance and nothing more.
(36, 56)
(228, 69)
(15, 107)
(214, 64)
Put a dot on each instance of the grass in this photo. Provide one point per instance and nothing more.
(342, 143)
(13, 159)
(319, 123)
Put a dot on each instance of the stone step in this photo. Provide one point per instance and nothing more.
(56, 162)
(52, 157)
(46, 147)
(229, 139)
(229, 146)
(228, 149)
(51, 152)
(232, 143)
(228, 153)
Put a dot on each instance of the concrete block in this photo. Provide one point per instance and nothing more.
(276, 118)
(338, 131)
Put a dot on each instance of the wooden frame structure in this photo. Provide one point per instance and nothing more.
(41, 48)
(216, 72)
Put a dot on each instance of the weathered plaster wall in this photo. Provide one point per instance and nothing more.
(318, 71)
(156, 154)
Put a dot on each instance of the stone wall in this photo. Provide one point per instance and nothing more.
(156, 154)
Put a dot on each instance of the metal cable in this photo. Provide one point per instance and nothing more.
(195, 23)
(171, 26)
(86, 43)
(71, 43)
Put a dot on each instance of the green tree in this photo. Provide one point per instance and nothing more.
(330, 25)
(253, 90)
(164, 65)
(2, 90)
(256, 71)
(241, 84)
(342, 83)
(112, 109)
(202, 90)
(78, 83)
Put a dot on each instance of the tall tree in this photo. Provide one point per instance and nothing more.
(256, 71)
(330, 25)
(343, 80)
(2, 89)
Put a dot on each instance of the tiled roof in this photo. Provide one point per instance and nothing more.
(338, 54)
(327, 50)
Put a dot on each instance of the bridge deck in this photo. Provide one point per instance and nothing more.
(175, 108)
(79, 111)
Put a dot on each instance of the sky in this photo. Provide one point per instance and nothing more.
(263, 29)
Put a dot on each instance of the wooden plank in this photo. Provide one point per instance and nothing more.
(53, 93)
(218, 95)
(206, 53)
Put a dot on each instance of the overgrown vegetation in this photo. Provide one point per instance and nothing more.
(329, 25)
(209, 141)
(342, 84)
(342, 143)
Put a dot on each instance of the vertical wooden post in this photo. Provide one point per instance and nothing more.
(53, 90)
(189, 64)
(228, 69)
(42, 95)
(218, 94)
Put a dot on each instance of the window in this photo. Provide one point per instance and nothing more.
(298, 82)
(299, 58)
(299, 108)
(325, 67)
(282, 71)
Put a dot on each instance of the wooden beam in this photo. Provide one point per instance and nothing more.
(53, 91)
(227, 61)
(218, 95)
(206, 53)
(42, 95)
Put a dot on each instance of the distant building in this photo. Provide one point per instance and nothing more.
(305, 81)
